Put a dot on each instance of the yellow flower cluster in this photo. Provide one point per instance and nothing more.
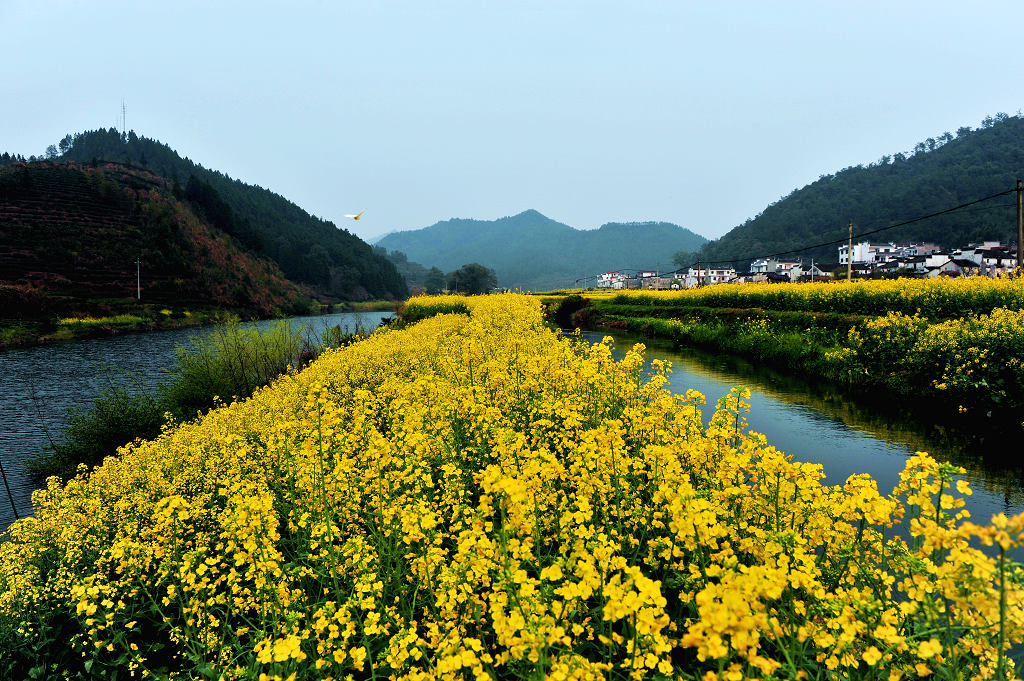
(478, 497)
(932, 297)
(977, 357)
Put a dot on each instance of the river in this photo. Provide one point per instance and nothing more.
(817, 422)
(811, 420)
(39, 385)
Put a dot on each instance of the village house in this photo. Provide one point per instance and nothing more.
(771, 270)
(766, 265)
(612, 280)
(865, 252)
(663, 282)
(811, 272)
(706, 276)
(955, 267)
(989, 259)
(997, 261)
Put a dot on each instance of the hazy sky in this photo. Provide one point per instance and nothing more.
(417, 111)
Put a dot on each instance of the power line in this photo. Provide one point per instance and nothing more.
(870, 232)
(920, 218)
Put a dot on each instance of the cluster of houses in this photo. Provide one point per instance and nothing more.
(988, 259)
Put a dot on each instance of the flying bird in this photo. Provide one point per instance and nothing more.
(355, 216)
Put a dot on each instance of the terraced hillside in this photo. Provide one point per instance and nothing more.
(73, 233)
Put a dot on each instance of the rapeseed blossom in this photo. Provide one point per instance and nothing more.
(479, 497)
(933, 298)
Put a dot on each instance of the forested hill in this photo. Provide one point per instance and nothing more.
(533, 252)
(307, 249)
(71, 235)
(939, 173)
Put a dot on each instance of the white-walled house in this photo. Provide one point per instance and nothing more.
(810, 271)
(709, 275)
(786, 267)
(866, 252)
(612, 280)
(773, 266)
(955, 267)
(861, 253)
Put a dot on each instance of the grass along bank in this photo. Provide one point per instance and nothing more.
(960, 341)
(227, 362)
(28, 318)
(26, 332)
(478, 496)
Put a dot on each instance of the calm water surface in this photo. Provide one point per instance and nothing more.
(817, 423)
(38, 385)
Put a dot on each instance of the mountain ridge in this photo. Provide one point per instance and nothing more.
(531, 251)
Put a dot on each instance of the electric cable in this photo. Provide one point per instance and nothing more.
(863, 234)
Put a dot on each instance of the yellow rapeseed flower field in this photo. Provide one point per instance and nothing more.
(479, 497)
(930, 297)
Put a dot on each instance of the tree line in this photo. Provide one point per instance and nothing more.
(308, 249)
(470, 279)
(941, 171)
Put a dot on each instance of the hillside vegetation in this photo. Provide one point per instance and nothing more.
(940, 173)
(308, 250)
(70, 235)
(532, 252)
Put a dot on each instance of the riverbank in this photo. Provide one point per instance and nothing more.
(31, 332)
(25, 333)
(45, 386)
(959, 343)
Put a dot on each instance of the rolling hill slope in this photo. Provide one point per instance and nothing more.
(941, 172)
(309, 250)
(70, 235)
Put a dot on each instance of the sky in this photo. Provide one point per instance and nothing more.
(696, 113)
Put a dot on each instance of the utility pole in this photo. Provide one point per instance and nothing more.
(1020, 226)
(138, 279)
(14, 507)
(849, 255)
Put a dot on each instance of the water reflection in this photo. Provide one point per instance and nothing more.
(849, 433)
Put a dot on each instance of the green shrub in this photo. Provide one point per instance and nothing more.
(17, 334)
(115, 418)
(412, 312)
(566, 310)
(232, 361)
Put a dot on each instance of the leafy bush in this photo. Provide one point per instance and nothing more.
(115, 418)
(420, 308)
(233, 360)
(566, 308)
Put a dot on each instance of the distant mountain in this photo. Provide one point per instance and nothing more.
(531, 251)
(70, 236)
(309, 250)
(941, 172)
